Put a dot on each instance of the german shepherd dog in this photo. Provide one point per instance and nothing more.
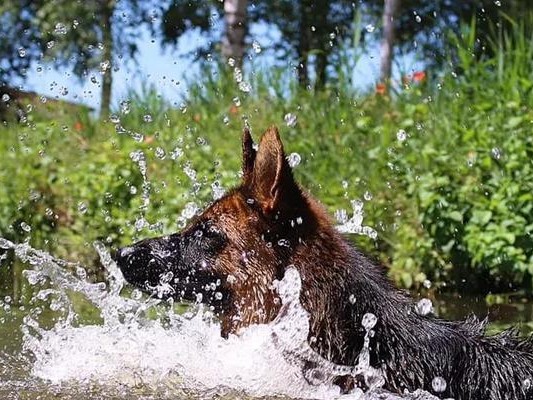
(228, 257)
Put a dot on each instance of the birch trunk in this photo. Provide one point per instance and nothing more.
(387, 43)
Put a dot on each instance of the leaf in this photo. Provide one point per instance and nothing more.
(455, 216)
(513, 122)
(481, 217)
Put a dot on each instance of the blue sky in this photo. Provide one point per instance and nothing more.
(168, 71)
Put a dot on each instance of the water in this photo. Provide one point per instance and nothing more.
(140, 347)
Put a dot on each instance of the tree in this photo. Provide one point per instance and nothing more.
(424, 26)
(310, 29)
(311, 32)
(87, 36)
(90, 37)
(19, 46)
(389, 13)
(233, 45)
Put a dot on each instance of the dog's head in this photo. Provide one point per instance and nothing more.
(229, 255)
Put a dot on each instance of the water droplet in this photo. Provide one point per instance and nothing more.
(369, 321)
(294, 159)
(237, 101)
(25, 227)
(225, 120)
(498, 3)
(176, 153)
(245, 87)
(284, 243)
(125, 107)
(190, 172)
(81, 272)
(104, 66)
(218, 296)
(438, 384)
(22, 52)
(190, 210)
(427, 283)
(237, 75)
(401, 135)
(370, 28)
(82, 207)
(140, 223)
(60, 29)
(290, 119)
(496, 153)
(424, 307)
(352, 299)
(160, 153)
(136, 294)
(418, 18)
(50, 44)
(147, 118)
(138, 157)
(5, 97)
(217, 189)
(367, 196)
(256, 46)
(341, 216)
(114, 118)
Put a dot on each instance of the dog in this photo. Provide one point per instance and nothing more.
(229, 255)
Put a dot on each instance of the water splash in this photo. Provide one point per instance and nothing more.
(144, 345)
(354, 224)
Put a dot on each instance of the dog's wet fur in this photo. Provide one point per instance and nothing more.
(228, 257)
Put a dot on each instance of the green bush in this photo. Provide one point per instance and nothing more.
(444, 166)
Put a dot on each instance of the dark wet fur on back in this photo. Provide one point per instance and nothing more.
(229, 255)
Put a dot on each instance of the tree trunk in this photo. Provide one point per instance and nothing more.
(235, 21)
(107, 59)
(387, 43)
(304, 44)
(321, 40)
(321, 70)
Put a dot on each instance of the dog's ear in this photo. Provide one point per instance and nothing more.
(271, 180)
(248, 156)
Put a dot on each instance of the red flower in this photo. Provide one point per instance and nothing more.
(381, 89)
(419, 76)
(234, 110)
(78, 126)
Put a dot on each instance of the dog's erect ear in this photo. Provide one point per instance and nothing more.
(248, 156)
(271, 179)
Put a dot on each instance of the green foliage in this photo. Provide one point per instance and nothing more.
(445, 167)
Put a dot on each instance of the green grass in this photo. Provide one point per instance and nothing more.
(452, 203)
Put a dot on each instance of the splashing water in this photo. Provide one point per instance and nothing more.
(171, 355)
(355, 223)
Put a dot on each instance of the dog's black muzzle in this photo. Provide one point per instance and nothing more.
(149, 263)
